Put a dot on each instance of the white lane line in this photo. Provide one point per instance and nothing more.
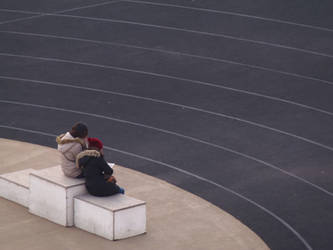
(21, 11)
(182, 54)
(283, 222)
(41, 14)
(165, 76)
(34, 13)
(180, 105)
(275, 216)
(164, 27)
(57, 14)
(187, 31)
(88, 6)
(135, 124)
(232, 14)
(171, 52)
(168, 103)
(20, 19)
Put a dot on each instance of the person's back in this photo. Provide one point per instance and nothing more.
(70, 145)
(97, 172)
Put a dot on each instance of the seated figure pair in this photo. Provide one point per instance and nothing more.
(83, 157)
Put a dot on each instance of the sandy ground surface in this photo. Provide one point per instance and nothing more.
(176, 219)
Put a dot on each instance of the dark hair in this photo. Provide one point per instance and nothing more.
(79, 130)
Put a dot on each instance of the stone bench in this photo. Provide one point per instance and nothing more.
(113, 217)
(52, 193)
(15, 186)
(48, 193)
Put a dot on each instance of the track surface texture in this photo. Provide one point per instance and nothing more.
(230, 100)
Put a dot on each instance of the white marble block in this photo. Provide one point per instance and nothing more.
(52, 193)
(15, 186)
(113, 217)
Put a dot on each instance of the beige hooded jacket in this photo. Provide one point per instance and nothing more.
(70, 147)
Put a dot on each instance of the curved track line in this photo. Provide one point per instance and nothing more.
(20, 19)
(179, 53)
(176, 53)
(88, 6)
(174, 134)
(169, 103)
(274, 20)
(165, 76)
(283, 222)
(199, 33)
(20, 11)
(233, 14)
(60, 11)
(41, 14)
(184, 30)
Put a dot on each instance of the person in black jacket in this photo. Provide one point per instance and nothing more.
(98, 174)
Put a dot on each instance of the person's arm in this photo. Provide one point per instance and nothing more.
(108, 171)
(76, 149)
(81, 162)
(105, 167)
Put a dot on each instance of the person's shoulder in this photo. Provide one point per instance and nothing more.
(89, 153)
(101, 159)
(85, 155)
(67, 138)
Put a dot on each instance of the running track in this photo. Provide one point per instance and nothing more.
(230, 100)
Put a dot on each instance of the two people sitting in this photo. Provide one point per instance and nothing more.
(83, 157)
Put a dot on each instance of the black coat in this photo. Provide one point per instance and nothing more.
(94, 170)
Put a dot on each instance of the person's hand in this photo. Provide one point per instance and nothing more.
(112, 179)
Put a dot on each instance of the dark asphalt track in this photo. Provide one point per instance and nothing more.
(230, 100)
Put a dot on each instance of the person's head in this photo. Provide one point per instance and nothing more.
(79, 130)
(95, 144)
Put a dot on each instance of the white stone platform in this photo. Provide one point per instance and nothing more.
(48, 193)
(52, 193)
(15, 186)
(114, 217)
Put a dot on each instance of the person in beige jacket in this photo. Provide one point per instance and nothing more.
(70, 145)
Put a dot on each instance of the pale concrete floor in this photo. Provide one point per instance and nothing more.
(176, 219)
